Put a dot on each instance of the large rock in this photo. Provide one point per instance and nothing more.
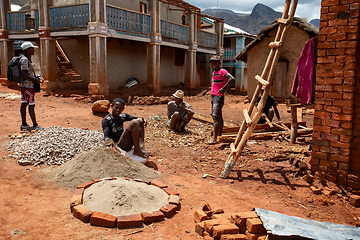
(101, 106)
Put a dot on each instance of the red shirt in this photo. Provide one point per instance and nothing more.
(218, 81)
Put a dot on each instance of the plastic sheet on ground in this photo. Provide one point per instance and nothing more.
(283, 225)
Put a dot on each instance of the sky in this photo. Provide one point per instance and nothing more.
(309, 9)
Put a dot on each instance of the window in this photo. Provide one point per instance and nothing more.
(143, 8)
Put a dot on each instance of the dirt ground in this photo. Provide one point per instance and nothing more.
(32, 207)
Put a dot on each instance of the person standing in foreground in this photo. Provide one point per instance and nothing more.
(27, 87)
(221, 81)
(132, 135)
(179, 112)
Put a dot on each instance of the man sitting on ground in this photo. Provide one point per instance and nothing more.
(132, 135)
(179, 112)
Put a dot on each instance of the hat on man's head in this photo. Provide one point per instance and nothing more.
(27, 45)
(179, 94)
(215, 58)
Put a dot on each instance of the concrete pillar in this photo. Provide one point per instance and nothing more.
(97, 31)
(239, 66)
(47, 47)
(153, 49)
(6, 46)
(190, 55)
(219, 30)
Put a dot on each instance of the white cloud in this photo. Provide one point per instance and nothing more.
(309, 9)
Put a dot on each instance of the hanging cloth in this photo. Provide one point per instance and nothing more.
(304, 79)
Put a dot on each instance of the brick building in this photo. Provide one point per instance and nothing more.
(336, 136)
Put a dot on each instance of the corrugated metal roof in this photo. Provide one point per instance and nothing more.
(283, 225)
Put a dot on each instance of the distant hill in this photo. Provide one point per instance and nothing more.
(260, 17)
(315, 22)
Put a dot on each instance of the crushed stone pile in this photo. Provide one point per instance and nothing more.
(53, 145)
(122, 197)
(98, 164)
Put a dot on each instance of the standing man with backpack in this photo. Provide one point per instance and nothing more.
(27, 87)
(221, 81)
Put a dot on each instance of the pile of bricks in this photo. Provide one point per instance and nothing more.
(84, 214)
(214, 225)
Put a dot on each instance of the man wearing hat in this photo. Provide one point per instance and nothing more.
(179, 112)
(221, 81)
(269, 108)
(27, 87)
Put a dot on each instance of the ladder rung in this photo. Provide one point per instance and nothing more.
(261, 80)
(247, 117)
(232, 149)
(282, 21)
(275, 44)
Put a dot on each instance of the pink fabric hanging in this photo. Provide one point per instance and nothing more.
(303, 81)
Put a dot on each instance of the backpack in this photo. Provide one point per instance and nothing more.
(13, 72)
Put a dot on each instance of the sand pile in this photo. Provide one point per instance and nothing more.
(97, 164)
(122, 197)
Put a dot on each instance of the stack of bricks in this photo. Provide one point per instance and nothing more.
(213, 225)
(336, 135)
(84, 214)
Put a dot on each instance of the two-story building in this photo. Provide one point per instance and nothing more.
(101, 44)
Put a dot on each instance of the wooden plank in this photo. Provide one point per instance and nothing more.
(209, 120)
(262, 127)
(261, 80)
(299, 114)
(247, 117)
(275, 44)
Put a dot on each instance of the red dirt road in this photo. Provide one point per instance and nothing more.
(32, 207)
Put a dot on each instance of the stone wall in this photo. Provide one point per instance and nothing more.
(336, 136)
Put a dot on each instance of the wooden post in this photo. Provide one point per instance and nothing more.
(47, 48)
(294, 124)
(153, 49)
(6, 46)
(97, 31)
(190, 62)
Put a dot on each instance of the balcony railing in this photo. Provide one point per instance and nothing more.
(229, 53)
(124, 20)
(69, 16)
(174, 31)
(22, 21)
(206, 39)
(77, 16)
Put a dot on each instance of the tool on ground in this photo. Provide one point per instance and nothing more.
(265, 79)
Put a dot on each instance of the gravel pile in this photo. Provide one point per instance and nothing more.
(53, 146)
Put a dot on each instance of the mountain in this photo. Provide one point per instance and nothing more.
(260, 17)
(315, 22)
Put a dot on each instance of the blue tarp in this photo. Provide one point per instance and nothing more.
(283, 225)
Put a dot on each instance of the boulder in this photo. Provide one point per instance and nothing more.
(101, 106)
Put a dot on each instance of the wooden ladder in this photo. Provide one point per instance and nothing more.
(265, 79)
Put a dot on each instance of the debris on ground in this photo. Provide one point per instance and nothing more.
(53, 145)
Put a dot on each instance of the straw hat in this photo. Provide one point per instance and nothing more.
(179, 94)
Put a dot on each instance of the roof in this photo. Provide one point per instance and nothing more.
(183, 4)
(297, 22)
(228, 29)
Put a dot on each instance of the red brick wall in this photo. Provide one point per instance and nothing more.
(336, 137)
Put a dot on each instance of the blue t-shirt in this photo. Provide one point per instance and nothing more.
(113, 128)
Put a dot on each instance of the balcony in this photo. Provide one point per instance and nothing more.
(76, 17)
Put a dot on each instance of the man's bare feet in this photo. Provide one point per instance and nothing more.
(141, 153)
